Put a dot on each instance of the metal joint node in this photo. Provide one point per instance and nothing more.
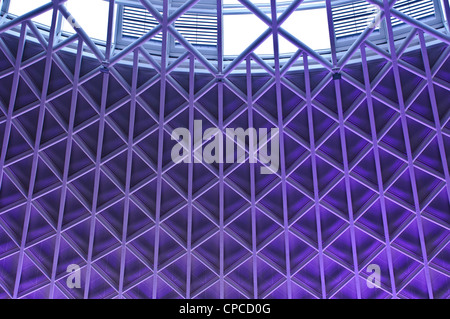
(104, 68)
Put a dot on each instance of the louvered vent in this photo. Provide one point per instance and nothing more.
(138, 21)
(197, 28)
(352, 18)
(416, 9)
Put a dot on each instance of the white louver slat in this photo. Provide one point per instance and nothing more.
(197, 28)
(416, 9)
(352, 18)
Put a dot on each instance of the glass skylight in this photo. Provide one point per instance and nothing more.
(309, 26)
(241, 27)
(92, 15)
(20, 7)
(240, 30)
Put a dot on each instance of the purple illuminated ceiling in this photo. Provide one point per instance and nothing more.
(86, 174)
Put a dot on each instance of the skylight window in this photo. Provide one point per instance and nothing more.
(92, 15)
(308, 25)
(21, 7)
(241, 27)
(240, 30)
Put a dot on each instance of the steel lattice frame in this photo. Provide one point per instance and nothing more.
(86, 176)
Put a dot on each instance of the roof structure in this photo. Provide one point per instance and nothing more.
(86, 175)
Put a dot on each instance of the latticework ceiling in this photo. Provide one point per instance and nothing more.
(87, 178)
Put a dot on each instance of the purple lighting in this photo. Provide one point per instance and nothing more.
(87, 179)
